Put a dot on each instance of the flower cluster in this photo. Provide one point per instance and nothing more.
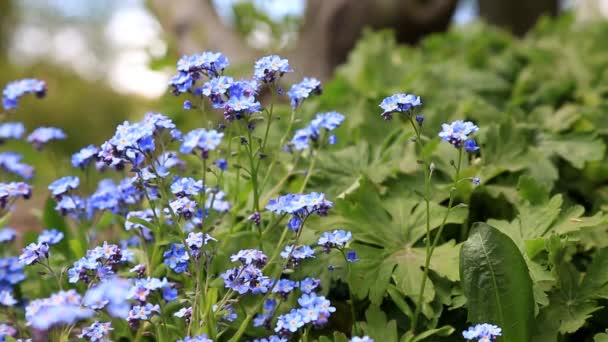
(99, 263)
(14, 90)
(192, 67)
(457, 133)
(270, 68)
(11, 163)
(11, 272)
(112, 294)
(7, 234)
(314, 310)
(176, 257)
(248, 277)
(299, 206)
(482, 332)
(11, 130)
(42, 135)
(97, 332)
(311, 133)
(162, 213)
(39, 250)
(64, 307)
(13, 190)
(302, 90)
(399, 103)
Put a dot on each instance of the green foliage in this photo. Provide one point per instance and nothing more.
(496, 283)
(540, 103)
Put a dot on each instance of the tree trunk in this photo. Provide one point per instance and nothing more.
(516, 16)
(330, 28)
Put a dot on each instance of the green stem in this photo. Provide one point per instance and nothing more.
(281, 144)
(431, 249)
(253, 172)
(355, 331)
(311, 167)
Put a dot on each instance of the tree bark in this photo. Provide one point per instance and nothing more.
(516, 16)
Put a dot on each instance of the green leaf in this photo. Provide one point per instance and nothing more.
(445, 330)
(386, 233)
(601, 337)
(377, 327)
(496, 282)
(576, 149)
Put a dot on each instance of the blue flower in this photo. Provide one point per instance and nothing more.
(11, 130)
(221, 164)
(42, 135)
(308, 285)
(185, 313)
(470, 146)
(302, 205)
(96, 331)
(146, 215)
(14, 90)
(183, 206)
(181, 83)
(336, 239)
(401, 103)
(7, 235)
(169, 294)
(351, 256)
(328, 121)
(268, 69)
(298, 253)
(186, 186)
(6, 298)
(239, 105)
(176, 257)
(111, 294)
(6, 330)
(361, 339)
(284, 286)
(457, 132)
(83, 157)
(227, 312)
(11, 272)
(11, 162)
(143, 312)
(482, 332)
(201, 139)
(13, 190)
(63, 307)
(50, 236)
(63, 185)
(34, 252)
(250, 257)
(302, 90)
(289, 322)
(294, 223)
(246, 278)
(216, 87)
(199, 338)
(272, 338)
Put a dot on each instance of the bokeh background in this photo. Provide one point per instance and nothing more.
(106, 61)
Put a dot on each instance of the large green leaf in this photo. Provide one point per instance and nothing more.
(387, 234)
(496, 283)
